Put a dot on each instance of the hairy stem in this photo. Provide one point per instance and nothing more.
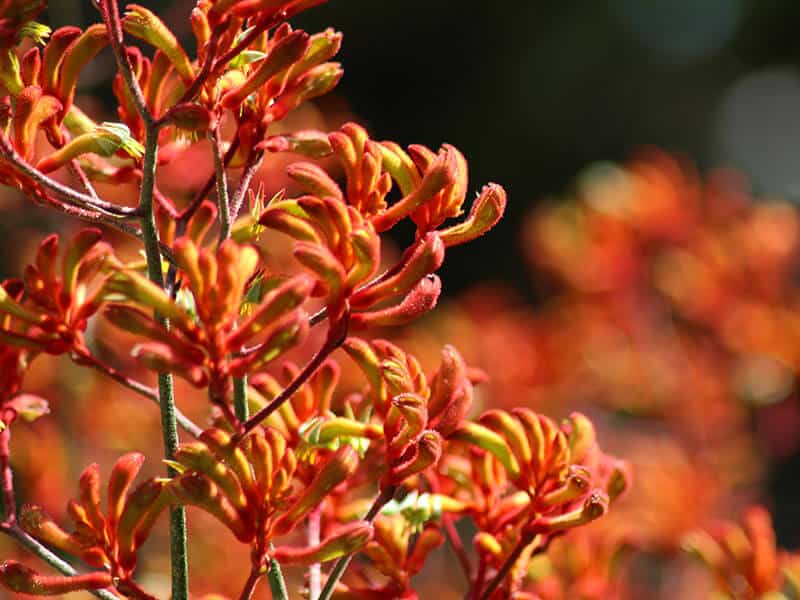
(240, 406)
(250, 169)
(277, 584)
(222, 186)
(86, 358)
(177, 514)
(9, 502)
(341, 565)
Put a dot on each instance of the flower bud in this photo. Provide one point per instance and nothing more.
(145, 25)
(486, 211)
(337, 469)
(488, 440)
(165, 359)
(420, 260)
(192, 118)
(35, 521)
(320, 261)
(314, 180)
(220, 444)
(198, 457)
(309, 143)
(105, 140)
(582, 436)
(318, 81)
(488, 544)
(23, 580)
(347, 539)
(122, 475)
(419, 301)
(441, 174)
(54, 54)
(90, 496)
(76, 56)
(286, 333)
(32, 110)
(594, 507)
(578, 481)
(284, 53)
(198, 490)
(142, 291)
(428, 452)
(142, 508)
(276, 303)
(511, 430)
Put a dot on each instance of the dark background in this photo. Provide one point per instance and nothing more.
(534, 91)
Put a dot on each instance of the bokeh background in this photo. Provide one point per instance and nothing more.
(553, 99)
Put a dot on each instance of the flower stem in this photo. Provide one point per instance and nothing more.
(222, 186)
(341, 565)
(166, 396)
(240, 406)
(277, 584)
(250, 584)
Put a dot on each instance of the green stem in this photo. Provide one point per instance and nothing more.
(222, 187)
(341, 565)
(240, 406)
(166, 396)
(276, 582)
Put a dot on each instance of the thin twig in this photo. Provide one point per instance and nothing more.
(222, 186)
(77, 169)
(187, 213)
(250, 584)
(83, 200)
(454, 539)
(250, 169)
(303, 376)
(110, 11)
(145, 390)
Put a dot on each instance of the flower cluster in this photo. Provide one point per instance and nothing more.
(376, 460)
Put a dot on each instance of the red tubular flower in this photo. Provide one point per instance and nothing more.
(60, 294)
(744, 559)
(250, 488)
(107, 540)
(532, 481)
(207, 334)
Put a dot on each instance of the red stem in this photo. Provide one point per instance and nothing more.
(458, 547)
(337, 334)
(250, 585)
